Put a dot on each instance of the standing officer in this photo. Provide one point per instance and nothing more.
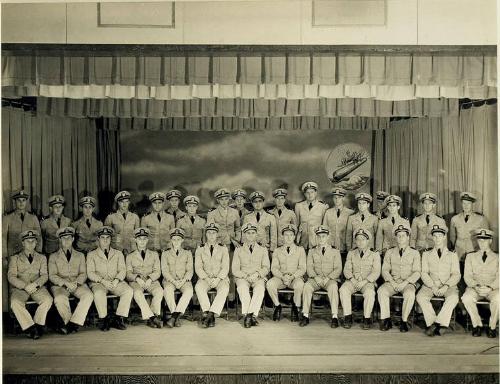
(309, 214)
(159, 223)
(177, 270)
(481, 277)
(250, 267)
(106, 270)
(174, 198)
(86, 227)
(421, 237)
(288, 267)
(281, 213)
(212, 268)
(381, 211)
(240, 197)
(51, 224)
(192, 224)
(124, 224)
(362, 269)
(143, 274)
(363, 219)
(401, 271)
(463, 226)
(440, 275)
(336, 221)
(68, 275)
(267, 232)
(27, 276)
(13, 225)
(386, 237)
(324, 266)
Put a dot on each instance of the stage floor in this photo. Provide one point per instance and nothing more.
(268, 348)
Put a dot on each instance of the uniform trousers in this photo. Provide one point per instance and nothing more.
(18, 301)
(186, 295)
(251, 304)
(368, 291)
(384, 294)
(156, 291)
(470, 299)
(424, 297)
(122, 290)
(275, 283)
(61, 301)
(202, 289)
(331, 289)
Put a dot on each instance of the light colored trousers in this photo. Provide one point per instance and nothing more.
(424, 297)
(276, 283)
(18, 299)
(368, 291)
(186, 295)
(251, 305)
(217, 305)
(61, 301)
(471, 297)
(384, 294)
(331, 289)
(156, 291)
(122, 290)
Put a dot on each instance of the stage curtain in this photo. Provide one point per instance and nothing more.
(62, 68)
(47, 156)
(441, 155)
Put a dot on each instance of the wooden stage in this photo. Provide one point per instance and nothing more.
(270, 348)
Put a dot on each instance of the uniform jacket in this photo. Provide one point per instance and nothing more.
(247, 263)
(462, 233)
(229, 224)
(438, 271)
(60, 270)
(337, 226)
(159, 237)
(369, 223)
(362, 268)
(212, 265)
(308, 220)
(478, 273)
(22, 273)
(174, 267)
(49, 228)
(86, 239)
(149, 267)
(267, 231)
(293, 262)
(385, 237)
(12, 226)
(327, 265)
(421, 237)
(123, 238)
(401, 268)
(99, 267)
(287, 217)
(193, 231)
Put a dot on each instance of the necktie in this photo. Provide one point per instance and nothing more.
(124, 216)
(393, 221)
(59, 222)
(362, 217)
(439, 253)
(466, 218)
(361, 254)
(400, 251)
(310, 206)
(427, 219)
(279, 212)
(158, 216)
(68, 255)
(22, 216)
(484, 256)
(30, 258)
(175, 215)
(258, 216)
(338, 212)
(251, 249)
(177, 253)
(240, 213)
(287, 249)
(192, 219)
(143, 254)
(323, 250)
(211, 250)
(106, 252)
(88, 223)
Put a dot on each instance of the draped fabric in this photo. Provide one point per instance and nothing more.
(48, 156)
(244, 108)
(441, 155)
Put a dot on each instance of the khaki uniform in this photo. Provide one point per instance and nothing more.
(85, 237)
(20, 274)
(209, 266)
(246, 263)
(354, 222)
(437, 271)
(337, 224)
(159, 237)
(177, 213)
(360, 268)
(479, 273)
(385, 237)
(123, 238)
(100, 267)
(174, 267)
(74, 271)
(267, 231)
(308, 220)
(328, 267)
(193, 231)
(461, 232)
(421, 237)
(229, 224)
(398, 269)
(147, 268)
(49, 228)
(286, 217)
(284, 261)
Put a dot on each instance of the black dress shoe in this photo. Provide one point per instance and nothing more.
(72, 327)
(118, 323)
(367, 323)
(277, 313)
(211, 319)
(334, 323)
(40, 329)
(403, 327)
(171, 322)
(178, 321)
(63, 330)
(386, 325)
(295, 313)
(32, 333)
(476, 331)
(247, 323)
(253, 320)
(151, 323)
(304, 321)
(157, 321)
(205, 322)
(106, 323)
(491, 333)
(442, 330)
(431, 331)
(347, 323)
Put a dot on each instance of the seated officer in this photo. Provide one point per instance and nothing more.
(159, 223)
(281, 213)
(174, 198)
(288, 267)
(239, 197)
(68, 275)
(421, 237)
(143, 274)
(250, 267)
(52, 223)
(177, 270)
(192, 224)
(363, 219)
(386, 237)
(86, 226)
(481, 277)
(440, 275)
(27, 276)
(324, 266)
(336, 220)
(124, 224)
(401, 271)
(267, 232)
(361, 270)
(212, 268)
(106, 270)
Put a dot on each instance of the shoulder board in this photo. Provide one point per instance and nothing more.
(212, 209)
(333, 246)
(413, 248)
(222, 245)
(405, 218)
(439, 216)
(479, 213)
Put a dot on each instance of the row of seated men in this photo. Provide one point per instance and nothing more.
(107, 271)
